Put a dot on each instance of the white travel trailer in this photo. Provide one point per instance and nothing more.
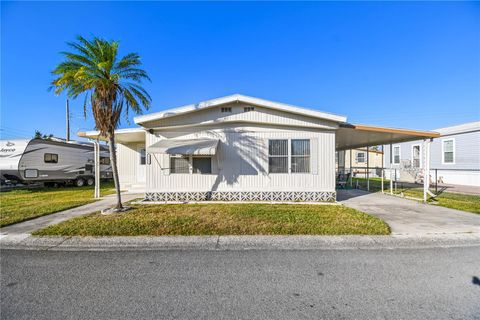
(51, 161)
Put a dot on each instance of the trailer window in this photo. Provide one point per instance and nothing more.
(202, 165)
(105, 160)
(278, 156)
(50, 158)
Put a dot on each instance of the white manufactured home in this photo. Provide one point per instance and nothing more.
(454, 156)
(240, 148)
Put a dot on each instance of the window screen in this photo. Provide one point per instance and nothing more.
(50, 158)
(448, 151)
(226, 109)
(300, 155)
(202, 165)
(179, 165)
(142, 157)
(361, 157)
(278, 156)
(396, 155)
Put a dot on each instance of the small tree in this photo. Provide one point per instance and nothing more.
(111, 85)
(39, 135)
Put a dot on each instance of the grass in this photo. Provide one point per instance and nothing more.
(223, 219)
(464, 202)
(24, 204)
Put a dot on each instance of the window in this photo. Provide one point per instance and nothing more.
(300, 150)
(360, 157)
(248, 109)
(416, 156)
(278, 156)
(31, 173)
(202, 165)
(142, 157)
(448, 151)
(179, 165)
(50, 158)
(396, 155)
(226, 109)
(105, 160)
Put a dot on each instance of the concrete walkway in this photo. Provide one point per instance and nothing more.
(409, 216)
(29, 226)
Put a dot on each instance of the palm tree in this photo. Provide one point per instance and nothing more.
(111, 85)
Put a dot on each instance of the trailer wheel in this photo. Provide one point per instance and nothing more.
(90, 181)
(79, 182)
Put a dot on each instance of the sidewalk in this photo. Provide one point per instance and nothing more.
(29, 226)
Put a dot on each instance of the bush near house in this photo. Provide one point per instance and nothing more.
(223, 219)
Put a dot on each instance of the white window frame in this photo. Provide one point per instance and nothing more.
(443, 152)
(420, 152)
(399, 154)
(289, 156)
(190, 164)
(364, 157)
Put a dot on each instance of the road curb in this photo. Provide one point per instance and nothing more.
(28, 242)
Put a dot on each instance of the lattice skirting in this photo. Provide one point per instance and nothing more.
(287, 196)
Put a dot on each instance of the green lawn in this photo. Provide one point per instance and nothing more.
(464, 202)
(223, 219)
(21, 205)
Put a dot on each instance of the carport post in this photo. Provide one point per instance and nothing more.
(368, 172)
(96, 157)
(391, 180)
(381, 171)
(351, 171)
(426, 169)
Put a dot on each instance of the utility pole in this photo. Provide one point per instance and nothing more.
(68, 121)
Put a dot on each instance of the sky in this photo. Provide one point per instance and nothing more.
(398, 64)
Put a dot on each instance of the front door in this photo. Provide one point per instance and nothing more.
(141, 167)
(416, 156)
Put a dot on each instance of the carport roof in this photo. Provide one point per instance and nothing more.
(351, 136)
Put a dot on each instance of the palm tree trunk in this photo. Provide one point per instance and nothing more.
(113, 160)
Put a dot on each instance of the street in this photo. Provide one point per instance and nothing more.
(436, 283)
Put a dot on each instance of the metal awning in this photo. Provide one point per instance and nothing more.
(205, 147)
(351, 136)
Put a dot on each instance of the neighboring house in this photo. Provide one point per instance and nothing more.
(239, 148)
(454, 156)
(359, 161)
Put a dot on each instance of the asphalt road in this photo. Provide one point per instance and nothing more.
(440, 283)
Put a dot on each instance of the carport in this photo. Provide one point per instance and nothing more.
(353, 136)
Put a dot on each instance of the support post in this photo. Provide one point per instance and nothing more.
(96, 151)
(351, 171)
(382, 171)
(426, 169)
(67, 124)
(368, 171)
(391, 180)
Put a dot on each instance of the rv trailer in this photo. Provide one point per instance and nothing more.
(51, 161)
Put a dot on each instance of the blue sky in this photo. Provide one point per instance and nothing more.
(413, 65)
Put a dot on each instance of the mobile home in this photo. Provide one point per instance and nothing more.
(454, 156)
(240, 148)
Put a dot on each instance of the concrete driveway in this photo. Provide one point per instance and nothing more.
(408, 216)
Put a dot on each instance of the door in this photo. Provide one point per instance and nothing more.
(416, 156)
(141, 165)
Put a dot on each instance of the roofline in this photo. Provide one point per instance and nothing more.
(238, 98)
(426, 134)
(93, 133)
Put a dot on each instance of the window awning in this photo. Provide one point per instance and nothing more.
(204, 147)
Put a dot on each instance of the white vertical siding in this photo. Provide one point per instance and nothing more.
(241, 163)
(127, 158)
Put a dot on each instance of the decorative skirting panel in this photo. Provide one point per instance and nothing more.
(279, 196)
